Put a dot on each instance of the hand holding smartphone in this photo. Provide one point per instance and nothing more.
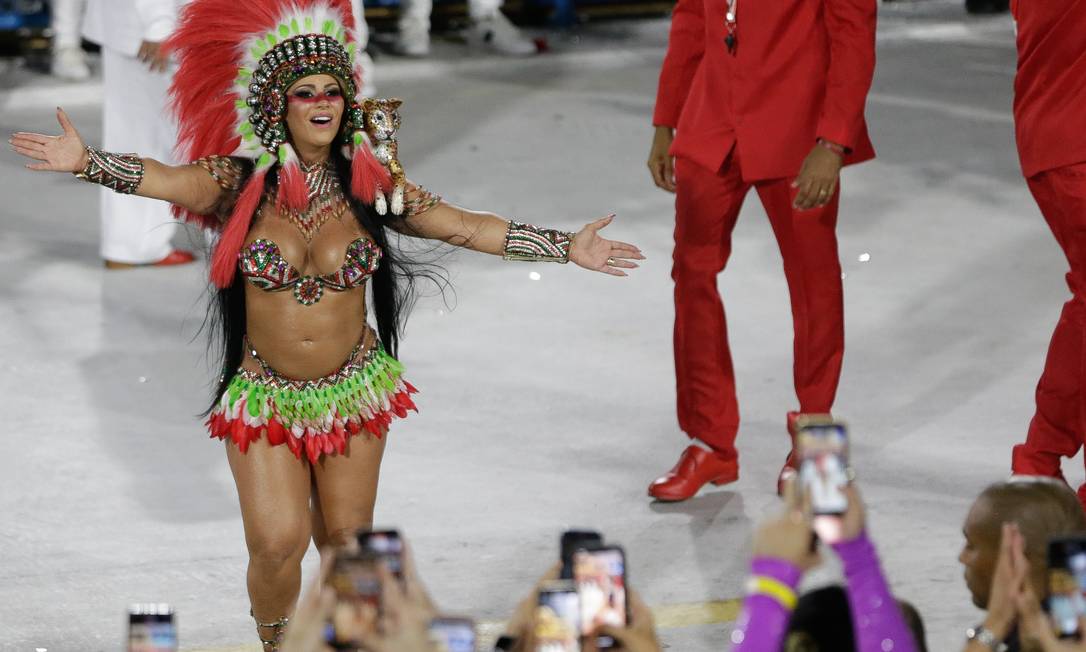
(822, 459)
(557, 623)
(600, 576)
(1066, 602)
(357, 586)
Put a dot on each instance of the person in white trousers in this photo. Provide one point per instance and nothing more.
(136, 231)
(69, 62)
(490, 29)
(362, 36)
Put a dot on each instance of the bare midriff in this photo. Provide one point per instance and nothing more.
(299, 341)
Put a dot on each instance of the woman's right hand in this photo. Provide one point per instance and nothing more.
(63, 153)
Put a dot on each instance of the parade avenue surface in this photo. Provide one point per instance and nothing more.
(546, 395)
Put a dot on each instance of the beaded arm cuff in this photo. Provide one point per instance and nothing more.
(223, 170)
(420, 200)
(531, 243)
(226, 172)
(121, 173)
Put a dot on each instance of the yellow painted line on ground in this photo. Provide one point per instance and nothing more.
(669, 616)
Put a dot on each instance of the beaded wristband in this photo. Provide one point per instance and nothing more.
(121, 173)
(772, 588)
(531, 243)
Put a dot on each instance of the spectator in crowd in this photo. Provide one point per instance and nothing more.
(783, 552)
(69, 61)
(1021, 514)
(639, 635)
(136, 75)
(363, 58)
(822, 622)
(1034, 624)
(489, 29)
(406, 612)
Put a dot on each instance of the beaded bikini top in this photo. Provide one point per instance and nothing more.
(263, 265)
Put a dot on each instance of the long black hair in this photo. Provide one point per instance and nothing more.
(393, 285)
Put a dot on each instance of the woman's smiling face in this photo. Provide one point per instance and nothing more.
(314, 111)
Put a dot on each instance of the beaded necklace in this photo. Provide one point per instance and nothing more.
(326, 199)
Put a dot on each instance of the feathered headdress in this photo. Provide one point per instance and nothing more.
(236, 60)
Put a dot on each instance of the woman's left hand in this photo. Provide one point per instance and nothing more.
(598, 254)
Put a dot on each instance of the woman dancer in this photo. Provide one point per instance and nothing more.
(285, 164)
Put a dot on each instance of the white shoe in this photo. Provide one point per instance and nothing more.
(496, 33)
(413, 41)
(70, 64)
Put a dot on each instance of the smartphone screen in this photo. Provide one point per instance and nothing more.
(387, 545)
(358, 599)
(600, 576)
(1067, 585)
(822, 452)
(453, 634)
(558, 618)
(572, 541)
(151, 628)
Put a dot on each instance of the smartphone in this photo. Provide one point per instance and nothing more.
(1066, 601)
(151, 628)
(600, 576)
(357, 586)
(453, 634)
(387, 545)
(558, 618)
(822, 459)
(572, 541)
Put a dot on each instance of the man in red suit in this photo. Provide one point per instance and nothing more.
(1050, 126)
(768, 95)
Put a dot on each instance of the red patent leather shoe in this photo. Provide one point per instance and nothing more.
(696, 467)
(175, 257)
(790, 461)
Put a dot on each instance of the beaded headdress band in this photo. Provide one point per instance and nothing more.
(240, 109)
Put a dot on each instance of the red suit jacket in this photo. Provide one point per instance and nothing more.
(801, 72)
(1050, 87)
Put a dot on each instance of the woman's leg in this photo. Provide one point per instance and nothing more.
(347, 487)
(273, 489)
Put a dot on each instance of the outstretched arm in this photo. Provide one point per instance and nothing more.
(188, 186)
(492, 234)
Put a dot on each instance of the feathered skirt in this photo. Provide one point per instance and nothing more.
(313, 417)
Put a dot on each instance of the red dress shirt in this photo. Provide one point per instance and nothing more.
(1050, 87)
(801, 71)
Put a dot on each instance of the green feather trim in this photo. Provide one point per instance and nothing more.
(362, 393)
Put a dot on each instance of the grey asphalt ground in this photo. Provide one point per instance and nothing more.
(550, 402)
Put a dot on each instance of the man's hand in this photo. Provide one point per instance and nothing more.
(817, 180)
(151, 53)
(661, 164)
(1011, 573)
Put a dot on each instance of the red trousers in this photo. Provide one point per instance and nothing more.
(706, 209)
(1057, 428)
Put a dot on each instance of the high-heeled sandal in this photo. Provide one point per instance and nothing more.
(272, 644)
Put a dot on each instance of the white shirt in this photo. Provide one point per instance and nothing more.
(122, 25)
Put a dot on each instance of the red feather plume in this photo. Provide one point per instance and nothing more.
(224, 262)
(210, 42)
